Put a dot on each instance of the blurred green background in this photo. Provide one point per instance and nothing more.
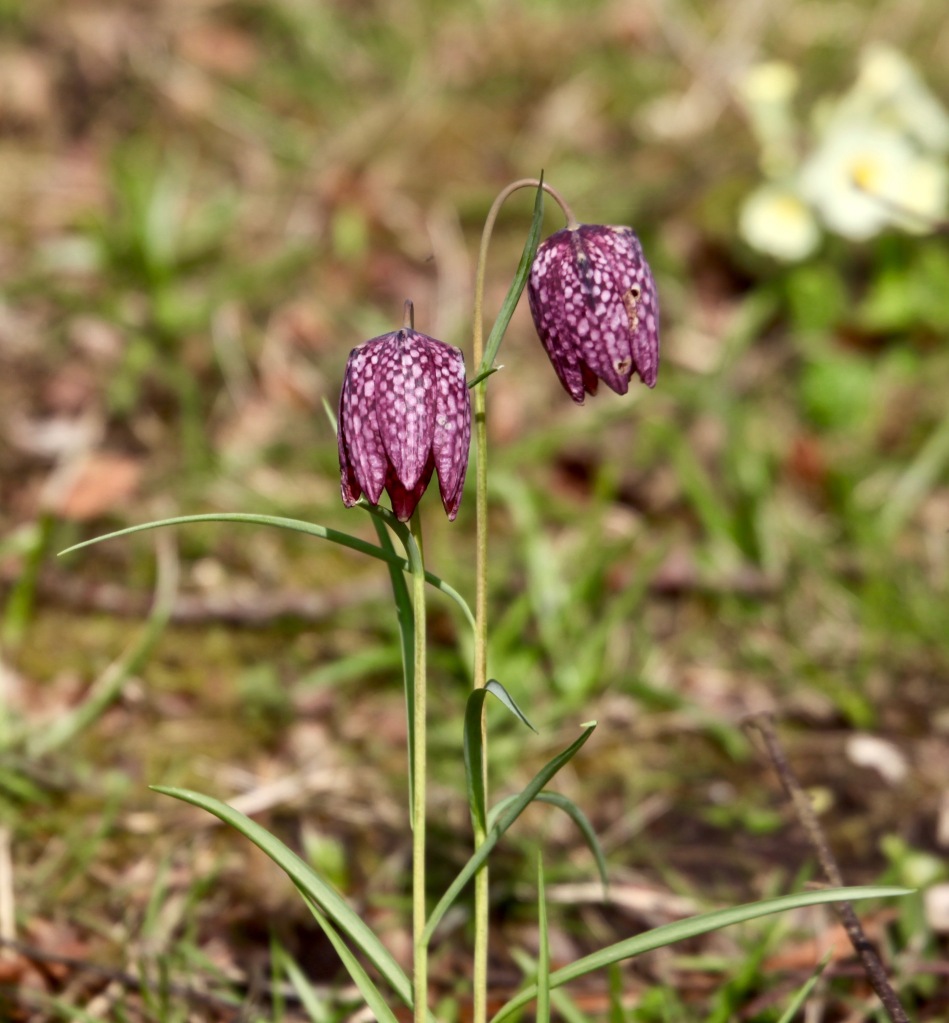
(204, 205)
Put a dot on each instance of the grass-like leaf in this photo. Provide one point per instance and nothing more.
(322, 895)
(543, 957)
(474, 744)
(405, 615)
(578, 817)
(336, 536)
(797, 1002)
(108, 686)
(514, 292)
(681, 929)
(372, 996)
(505, 820)
(312, 1004)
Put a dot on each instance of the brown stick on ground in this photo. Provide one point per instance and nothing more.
(815, 835)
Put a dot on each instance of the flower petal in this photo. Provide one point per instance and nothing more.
(637, 288)
(452, 434)
(405, 403)
(594, 304)
(555, 297)
(603, 327)
(405, 499)
(360, 442)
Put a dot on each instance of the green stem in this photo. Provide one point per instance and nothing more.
(413, 550)
(19, 609)
(480, 965)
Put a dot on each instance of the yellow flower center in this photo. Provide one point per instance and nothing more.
(865, 174)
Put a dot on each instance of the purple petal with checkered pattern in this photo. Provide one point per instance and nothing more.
(595, 308)
(404, 412)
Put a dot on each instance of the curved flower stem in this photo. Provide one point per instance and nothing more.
(480, 966)
(477, 338)
(413, 550)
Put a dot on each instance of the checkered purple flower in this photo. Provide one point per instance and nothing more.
(595, 307)
(404, 412)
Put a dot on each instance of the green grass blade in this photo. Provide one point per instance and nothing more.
(797, 1002)
(617, 1014)
(108, 687)
(372, 996)
(309, 999)
(582, 822)
(543, 959)
(336, 536)
(681, 929)
(514, 292)
(505, 820)
(331, 416)
(916, 481)
(578, 816)
(330, 902)
(474, 744)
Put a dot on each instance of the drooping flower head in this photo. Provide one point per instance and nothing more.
(404, 412)
(595, 307)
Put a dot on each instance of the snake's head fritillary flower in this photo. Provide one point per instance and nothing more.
(595, 307)
(404, 413)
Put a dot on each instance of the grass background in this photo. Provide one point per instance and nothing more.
(204, 206)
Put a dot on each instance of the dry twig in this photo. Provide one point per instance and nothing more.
(870, 961)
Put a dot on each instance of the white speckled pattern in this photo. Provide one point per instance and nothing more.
(404, 412)
(595, 307)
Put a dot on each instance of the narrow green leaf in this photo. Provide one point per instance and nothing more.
(277, 997)
(495, 688)
(372, 996)
(682, 929)
(474, 744)
(560, 1000)
(295, 525)
(505, 820)
(309, 999)
(330, 902)
(474, 381)
(916, 481)
(617, 1015)
(514, 292)
(405, 614)
(331, 416)
(797, 1002)
(581, 820)
(543, 960)
(108, 687)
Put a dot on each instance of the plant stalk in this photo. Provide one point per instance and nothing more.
(480, 965)
(419, 944)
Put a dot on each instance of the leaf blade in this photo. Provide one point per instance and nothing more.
(294, 525)
(473, 751)
(333, 905)
(505, 820)
(690, 928)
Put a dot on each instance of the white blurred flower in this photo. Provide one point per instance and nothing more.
(925, 192)
(862, 177)
(878, 158)
(766, 91)
(775, 220)
(889, 88)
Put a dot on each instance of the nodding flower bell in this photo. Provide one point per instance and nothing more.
(404, 412)
(595, 308)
